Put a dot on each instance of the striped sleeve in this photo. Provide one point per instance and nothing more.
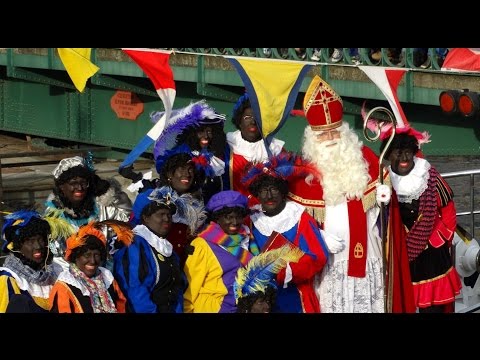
(444, 191)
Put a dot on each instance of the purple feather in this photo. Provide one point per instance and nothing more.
(182, 119)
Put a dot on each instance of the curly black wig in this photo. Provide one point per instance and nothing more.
(400, 141)
(174, 162)
(214, 216)
(238, 112)
(245, 303)
(91, 243)
(216, 146)
(265, 180)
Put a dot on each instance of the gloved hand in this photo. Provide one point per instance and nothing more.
(383, 194)
(333, 242)
(128, 173)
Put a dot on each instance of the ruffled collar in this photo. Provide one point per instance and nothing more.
(162, 245)
(37, 282)
(67, 277)
(412, 185)
(255, 152)
(287, 219)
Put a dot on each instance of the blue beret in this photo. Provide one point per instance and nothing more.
(141, 201)
(227, 198)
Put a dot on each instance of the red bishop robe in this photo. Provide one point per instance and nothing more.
(399, 289)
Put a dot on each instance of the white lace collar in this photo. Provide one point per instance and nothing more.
(67, 277)
(411, 186)
(36, 290)
(163, 246)
(256, 151)
(282, 222)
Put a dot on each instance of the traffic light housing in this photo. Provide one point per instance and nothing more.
(464, 102)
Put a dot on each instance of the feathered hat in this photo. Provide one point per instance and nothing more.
(285, 165)
(123, 231)
(387, 80)
(16, 225)
(159, 195)
(402, 128)
(322, 106)
(195, 114)
(261, 270)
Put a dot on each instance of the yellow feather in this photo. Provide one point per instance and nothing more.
(59, 227)
(261, 269)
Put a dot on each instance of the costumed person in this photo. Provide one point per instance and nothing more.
(255, 286)
(195, 129)
(275, 216)
(81, 196)
(345, 202)
(245, 145)
(87, 286)
(27, 275)
(428, 212)
(180, 175)
(218, 252)
(148, 269)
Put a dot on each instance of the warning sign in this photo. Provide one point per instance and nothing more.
(127, 105)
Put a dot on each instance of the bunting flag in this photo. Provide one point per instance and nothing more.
(387, 80)
(78, 65)
(462, 59)
(272, 86)
(155, 64)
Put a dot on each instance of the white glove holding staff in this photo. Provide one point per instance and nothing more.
(383, 194)
(334, 243)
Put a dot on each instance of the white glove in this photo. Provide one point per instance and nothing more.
(139, 184)
(383, 194)
(333, 242)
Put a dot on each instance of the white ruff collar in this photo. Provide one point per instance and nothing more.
(36, 290)
(412, 185)
(67, 277)
(255, 152)
(287, 219)
(163, 246)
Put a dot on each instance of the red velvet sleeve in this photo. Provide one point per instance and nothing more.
(311, 242)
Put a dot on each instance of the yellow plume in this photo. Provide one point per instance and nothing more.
(262, 269)
(59, 227)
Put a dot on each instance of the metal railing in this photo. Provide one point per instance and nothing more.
(472, 212)
(431, 59)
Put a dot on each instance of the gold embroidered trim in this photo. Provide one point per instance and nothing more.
(305, 202)
(327, 126)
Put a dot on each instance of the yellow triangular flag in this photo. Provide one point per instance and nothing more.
(272, 86)
(78, 65)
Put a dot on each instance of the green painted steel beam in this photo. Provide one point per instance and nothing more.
(204, 89)
(30, 75)
(118, 84)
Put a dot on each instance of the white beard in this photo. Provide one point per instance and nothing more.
(344, 170)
